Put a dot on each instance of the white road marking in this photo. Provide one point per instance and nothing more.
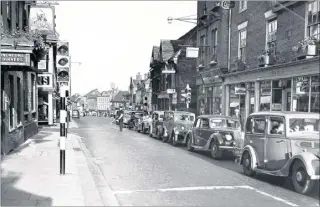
(208, 188)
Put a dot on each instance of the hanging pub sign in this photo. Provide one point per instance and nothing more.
(45, 81)
(41, 19)
(192, 52)
(20, 59)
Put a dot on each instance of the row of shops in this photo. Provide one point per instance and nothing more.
(291, 86)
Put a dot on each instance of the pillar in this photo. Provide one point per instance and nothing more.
(247, 102)
(226, 95)
(50, 93)
(256, 96)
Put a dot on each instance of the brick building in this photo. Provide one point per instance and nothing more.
(274, 63)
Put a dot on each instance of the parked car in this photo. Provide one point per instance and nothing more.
(215, 133)
(76, 114)
(176, 125)
(94, 113)
(156, 124)
(283, 144)
(144, 124)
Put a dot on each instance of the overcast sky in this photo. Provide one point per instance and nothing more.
(113, 39)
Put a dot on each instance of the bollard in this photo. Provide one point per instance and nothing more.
(63, 134)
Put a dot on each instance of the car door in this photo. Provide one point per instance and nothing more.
(204, 132)
(196, 132)
(256, 136)
(277, 153)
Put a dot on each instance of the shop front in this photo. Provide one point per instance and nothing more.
(287, 87)
(212, 92)
(45, 100)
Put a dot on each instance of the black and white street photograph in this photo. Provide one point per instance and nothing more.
(160, 103)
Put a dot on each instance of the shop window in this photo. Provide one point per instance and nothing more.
(251, 89)
(265, 96)
(301, 94)
(315, 92)
(25, 92)
(33, 92)
(19, 91)
(276, 95)
(313, 26)
(12, 100)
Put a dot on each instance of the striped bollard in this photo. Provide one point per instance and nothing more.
(63, 134)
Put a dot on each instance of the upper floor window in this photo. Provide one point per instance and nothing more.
(242, 45)
(242, 5)
(214, 42)
(313, 26)
(202, 47)
(271, 35)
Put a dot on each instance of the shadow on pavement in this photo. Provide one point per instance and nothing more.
(229, 163)
(11, 196)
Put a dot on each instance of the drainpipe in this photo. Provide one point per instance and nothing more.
(229, 40)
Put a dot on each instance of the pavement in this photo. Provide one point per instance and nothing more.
(30, 175)
(130, 168)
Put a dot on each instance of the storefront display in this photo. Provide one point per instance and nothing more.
(237, 98)
(43, 108)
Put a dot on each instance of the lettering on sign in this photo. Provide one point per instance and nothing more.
(277, 72)
(44, 80)
(15, 59)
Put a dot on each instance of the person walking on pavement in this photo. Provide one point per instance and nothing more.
(238, 116)
(120, 119)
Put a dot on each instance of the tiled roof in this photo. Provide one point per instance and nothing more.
(168, 48)
(120, 96)
(93, 93)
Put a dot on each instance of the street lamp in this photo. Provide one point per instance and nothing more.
(188, 19)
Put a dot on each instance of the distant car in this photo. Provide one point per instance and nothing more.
(284, 144)
(94, 113)
(144, 124)
(75, 114)
(217, 134)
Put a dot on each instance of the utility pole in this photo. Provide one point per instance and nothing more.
(63, 131)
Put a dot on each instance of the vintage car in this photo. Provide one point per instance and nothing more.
(76, 114)
(136, 120)
(144, 124)
(156, 124)
(221, 135)
(284, 144)
(176, 125)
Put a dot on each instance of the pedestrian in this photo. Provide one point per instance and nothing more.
(238, 116)
(120, 119)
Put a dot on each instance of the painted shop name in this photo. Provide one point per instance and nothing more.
(13, 57)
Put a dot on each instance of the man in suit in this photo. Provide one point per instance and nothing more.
(120, 118)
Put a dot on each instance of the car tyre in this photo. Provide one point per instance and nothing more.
(216, 152)
(189, 144)
(246, 164)
(301, 180)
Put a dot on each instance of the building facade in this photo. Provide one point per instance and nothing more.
(92, 100)
(104, 101)
(269, 61)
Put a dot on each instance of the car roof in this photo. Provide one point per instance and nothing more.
(286, 113)
(209, 116)
(181, 112)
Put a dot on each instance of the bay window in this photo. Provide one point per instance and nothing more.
(313, 25)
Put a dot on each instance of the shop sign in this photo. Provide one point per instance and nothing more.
(41, 18)
(210, 76)
(171, 91)
(276, 107)
(239, 91)
(42, 65)
(45, 81)
(15, 59)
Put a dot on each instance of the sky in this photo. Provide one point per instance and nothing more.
(113, 39)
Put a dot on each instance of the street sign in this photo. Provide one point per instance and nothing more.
(171, 91)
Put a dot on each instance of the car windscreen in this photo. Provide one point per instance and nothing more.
(183, 117)
(303, 125)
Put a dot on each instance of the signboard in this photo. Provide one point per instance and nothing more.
(42, 65)
(45, 80)
(41, 18)
(171, 91)
(276, 107)
(20, 59)
(239, 91)
(210, 76)
(192, 52)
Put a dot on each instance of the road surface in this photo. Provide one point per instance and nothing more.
(140, 170)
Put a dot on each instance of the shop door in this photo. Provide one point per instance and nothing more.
(287, 100)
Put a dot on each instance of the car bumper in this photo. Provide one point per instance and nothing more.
(180, 136)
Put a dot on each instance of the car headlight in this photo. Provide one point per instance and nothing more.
(182, 128)
(228, 137)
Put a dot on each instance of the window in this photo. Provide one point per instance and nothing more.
(197, 123)
(25, 91)
(204, 123)
(9, 14)
(271, 36)
(19, 90)
(313, 26)
(202, 48)
(242, 45)
(259, 125)
(214, 42)
(242, 5)
(276, 125)
(11, 99)
(33, 92)
(249, 125)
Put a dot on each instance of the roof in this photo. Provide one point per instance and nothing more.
(168, 48)
(93, 93)
(209, 116)
(286, 113)
(155, 53)
(187, 35)
(106, 93)
(120, 96)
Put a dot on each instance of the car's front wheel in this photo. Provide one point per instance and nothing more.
(301, 180)
(216, 152)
